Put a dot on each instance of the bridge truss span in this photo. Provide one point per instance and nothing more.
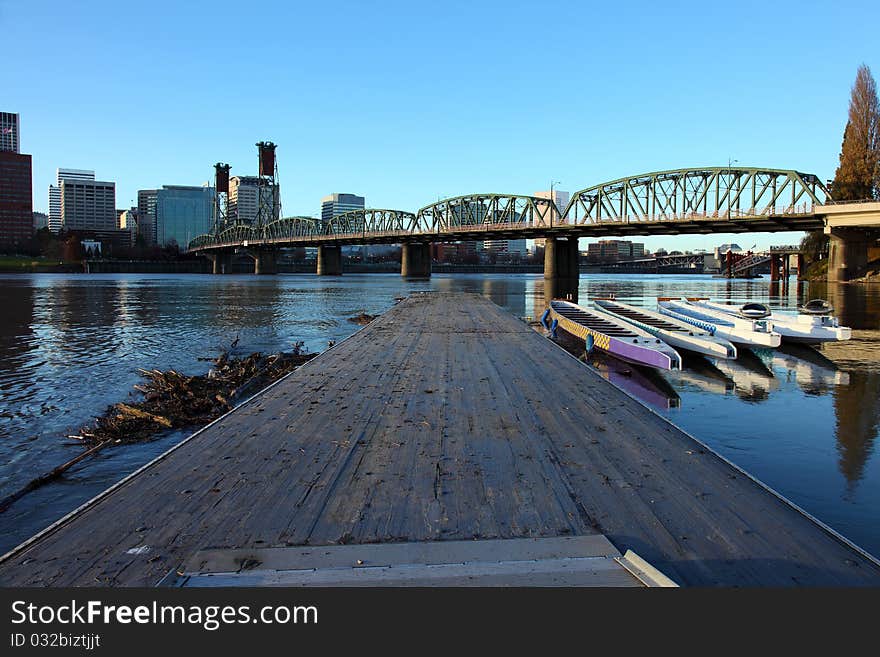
(476, 212)
(372, 222)
(695, 200)
(291, 228)
(720, 193)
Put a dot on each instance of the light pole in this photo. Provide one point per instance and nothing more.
(729, 184)
(553, 200)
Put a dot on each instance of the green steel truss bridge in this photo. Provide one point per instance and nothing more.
(683, 201)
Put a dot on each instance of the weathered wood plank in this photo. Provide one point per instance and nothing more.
(444, 419)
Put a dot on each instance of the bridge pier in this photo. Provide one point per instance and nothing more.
(774, 267)
(329, 260)
(848, 253)
(221, 262)
(265, 261)
(415, 260)
(561, 268)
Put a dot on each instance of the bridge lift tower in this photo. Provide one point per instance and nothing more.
(221, 197)
(269, 196)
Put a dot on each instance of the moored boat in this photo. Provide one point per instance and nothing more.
(810, 325)
(614, 336)
(739, 329)
(672, 331)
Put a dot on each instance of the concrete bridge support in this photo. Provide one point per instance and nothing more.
(848, 253)
(221, 262)
(329, 260)
(415, 260)
(265, 261)
(774, 267)
(561, 268)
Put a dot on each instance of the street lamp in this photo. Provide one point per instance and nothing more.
(553, 200)
(729, 184)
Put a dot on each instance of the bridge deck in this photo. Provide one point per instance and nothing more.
(445, 419)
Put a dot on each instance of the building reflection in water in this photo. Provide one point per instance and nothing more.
(857, 409)
(17, 344)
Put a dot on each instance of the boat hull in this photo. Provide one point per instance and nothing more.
(623, 349)
(810, 329)
(727, 329)
(702, 342)
(702, 346)
(806, 328)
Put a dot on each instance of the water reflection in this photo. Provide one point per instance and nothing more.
(814, 373)
(642, 383)
(857, 306)
(857, 410)
(753, 381)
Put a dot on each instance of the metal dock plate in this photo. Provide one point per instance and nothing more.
(564, 561)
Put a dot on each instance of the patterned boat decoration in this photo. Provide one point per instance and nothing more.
(614, 336)
(674, 332)
(733, 327)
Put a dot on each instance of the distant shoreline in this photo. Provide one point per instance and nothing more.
(25, 265)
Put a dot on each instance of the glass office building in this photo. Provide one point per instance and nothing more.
(183, 213)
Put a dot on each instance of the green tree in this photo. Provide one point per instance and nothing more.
(858, 175)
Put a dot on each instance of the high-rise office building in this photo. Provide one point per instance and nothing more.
(244, 199)
(16, 200)
(147, 215)
(183, 213)
(55, 193)
(16, 197)
(128, 221)
(41, 220)
(335, 204)
(10, 134)
(561, 200)
(88, 205)
(506, 250)
(614, 250)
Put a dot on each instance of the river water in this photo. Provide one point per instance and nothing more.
(70, 345)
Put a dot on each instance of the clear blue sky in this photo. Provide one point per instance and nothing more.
(405, 102)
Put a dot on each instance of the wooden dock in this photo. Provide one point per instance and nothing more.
(446, 419)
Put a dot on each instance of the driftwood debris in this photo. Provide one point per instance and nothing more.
(362, 319)
(172, 400)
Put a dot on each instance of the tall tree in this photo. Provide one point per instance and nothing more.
(858, 176)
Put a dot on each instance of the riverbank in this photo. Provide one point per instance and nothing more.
(245, 266)
(37, 265)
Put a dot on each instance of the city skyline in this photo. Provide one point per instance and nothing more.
(401, 134)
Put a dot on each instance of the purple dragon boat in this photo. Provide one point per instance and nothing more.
(614, 336)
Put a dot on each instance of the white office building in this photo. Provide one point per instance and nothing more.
(244, 199)
(88, 205)
(55, 221)
(336, 204)
(561, 200)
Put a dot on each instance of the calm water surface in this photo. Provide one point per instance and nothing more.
(70, 345)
